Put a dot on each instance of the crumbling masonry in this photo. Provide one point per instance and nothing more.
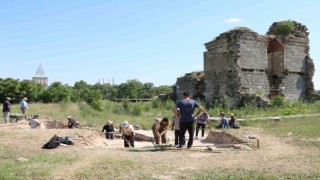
(247, 67)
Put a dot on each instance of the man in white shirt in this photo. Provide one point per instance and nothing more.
(127, 134)
(34, 122)
(24, 107)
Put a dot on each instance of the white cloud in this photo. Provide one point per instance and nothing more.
(232, 20)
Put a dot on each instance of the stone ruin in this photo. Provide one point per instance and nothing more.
(247, 67)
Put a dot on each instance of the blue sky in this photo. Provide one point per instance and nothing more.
(152, 41)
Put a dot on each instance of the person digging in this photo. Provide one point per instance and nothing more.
(159, 130)
(127, 134)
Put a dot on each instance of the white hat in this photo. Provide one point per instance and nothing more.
(124, 124)
(69, 117)
(25, 99)
(157, 120)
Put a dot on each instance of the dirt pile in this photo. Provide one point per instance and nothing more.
(54, 124)
(222, 137)
(89, 139)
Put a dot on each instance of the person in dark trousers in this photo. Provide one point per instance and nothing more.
(127, 134)
(187, 107)
(201, 122)
(71, 123)
(6, 110)
(176, 128)
(109, 130)
(159, 129)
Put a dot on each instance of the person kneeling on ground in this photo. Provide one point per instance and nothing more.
(34, 122)
(201, 122)
(224, 121)
(71, 123)
(109, 130)
(127, 134)
(159, 130)
(233, 122)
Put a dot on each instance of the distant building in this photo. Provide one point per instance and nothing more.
(242, 66)
(40, 77)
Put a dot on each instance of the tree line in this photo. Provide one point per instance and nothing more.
(79, 92)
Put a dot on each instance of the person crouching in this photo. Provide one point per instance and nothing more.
(159, 130)
(127, 134)
(108, 128)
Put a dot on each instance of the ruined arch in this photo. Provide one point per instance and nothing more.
(276, 69)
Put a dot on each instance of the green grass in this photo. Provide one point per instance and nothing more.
(304, 130)
(240, 174)
(112, 168)
(39, 166)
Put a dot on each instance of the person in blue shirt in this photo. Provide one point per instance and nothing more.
(186, 121)
(24, 107)
(224, 121)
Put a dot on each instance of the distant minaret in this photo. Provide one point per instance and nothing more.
(40, 78)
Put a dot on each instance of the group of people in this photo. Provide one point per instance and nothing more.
(183, 121)
(6, 109)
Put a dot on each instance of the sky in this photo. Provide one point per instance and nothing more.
(152, 41)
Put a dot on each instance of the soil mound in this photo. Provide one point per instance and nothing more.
(222, 137)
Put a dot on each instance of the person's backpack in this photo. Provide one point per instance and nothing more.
(53, 143)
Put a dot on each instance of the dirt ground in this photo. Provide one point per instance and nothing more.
(275, 156)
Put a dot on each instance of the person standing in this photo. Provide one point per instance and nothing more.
(176, 128)
(24, 107)
(6, 110)
(159, 129)
(127, 134)
(109, 130)
(201, 122)
(187, 107)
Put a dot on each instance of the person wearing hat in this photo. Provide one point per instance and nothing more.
(109, 129)
(224, 121)
(6, 110)
(24, 107)
(159, 129)
(127, 134)
(201, 122)
(71, 122)
(233, 122)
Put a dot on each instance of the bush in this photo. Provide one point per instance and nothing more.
(285, 28)
(277, 101)
(156, 103)
(125, 105)
(137, 110)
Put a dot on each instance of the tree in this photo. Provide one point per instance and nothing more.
(57, 92)
(10, 88)
(130, 89)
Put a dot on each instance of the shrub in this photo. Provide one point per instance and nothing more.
(137, 110)
(156, 103)
(285, 28)
(125, 105)
(277, 101)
